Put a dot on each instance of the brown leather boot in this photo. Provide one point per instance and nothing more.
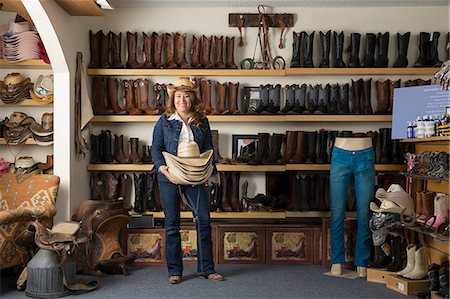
(180, 51)
(124, 181)
(418, 206)
(195, 52)
(357, 89)
(233, 89)
(292, 200)
(134, 154)
(221, 99)
(229, 64)
(130, 108)
(234, 191)
(96, 185)
(224, 191)
(218, 54)
(157, 50)
(111, 184)
(169, 50)
(116, 50)
(119, 156)
(427, 204)
(205, 91)
(392, 85)
(132, 62)
(215, 141)
(383, 96)
(113, 97)
(98, 96)
(366, 101)
(94, 45)
(206, 52)
(104, 51)
(140, 90)
(290, 146)
(148, 50)
(300, 148)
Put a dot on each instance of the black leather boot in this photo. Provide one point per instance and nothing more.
(300, 99)
(146, 154)
(275, 141)
(398, 255)
(138, 206)
(338, 49)
(366, 101)
(311, 140)
(325, 44)
(343, 107)
(433, 277)
(289, 98)
(214, 199)
(382, 46)
(402, 49)
(385, 145)
(262, 149)
(324, 99)
(333, 135)
(369, 56)
(433, 55)
(312, 99)
(302, 191)
(443, 280)
(395, 152)
(424, 49)
(106, 146)
(263, 103)
(308, 45)
(334, 99)
(357, 90)
(380, 259)
(96, 157)
(312, 198)
(355, 41)
(322, 156)
(297, 37)
(148, 192)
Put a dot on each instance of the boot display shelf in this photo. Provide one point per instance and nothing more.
(428, 139)
(35, 63)
(425, 177)
(27, 102)
(29, 141)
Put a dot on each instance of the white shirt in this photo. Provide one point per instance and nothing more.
(186, 134)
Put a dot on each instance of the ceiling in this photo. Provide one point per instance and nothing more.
(279, 3)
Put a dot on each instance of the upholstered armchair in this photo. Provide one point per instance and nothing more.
(23, 198)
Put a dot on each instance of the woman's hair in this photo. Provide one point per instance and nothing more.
(197, 110)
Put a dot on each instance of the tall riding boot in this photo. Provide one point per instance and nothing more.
(322, 156)
(148, 50)
(215, 141)
(300, 99)
(334, 99)
(297, 37)
(130, 107)
(274, 99)
(206, 52)
(355, 41)
(357, 90)
(343, 107)
(195, 52)
(402, 49)
(225, 192)
(116, 49)
(157, 50)
(140, 90)
(380, 259)
(293, 203)
(138, 206)
(104, 51)
(289, 147)
(229, 55)
(169, 50)
(276, 140)
(221, 91)
(338, 49)
(218, 54)
(311, 140)
(148, 192)
(119, 155)
(113, 97)
(299, 148)
(325, 44)
(98, 96)
(289, 98)
(232, 93)
(146, 154)
(96, 157)
(134, 154)
(392, 85)
(366, 101)
(312, 198)
(383, 96)
(424, 49)
(302, 191)
(369, 56)
(262, 149)
(324, 99)
(180, 51)
(382, 46)
(205, 91)
(234, 191)
(106, 146)
(312, 99)
(385, 140)
(94, 45)
(308, 45)
(333, 135)
(433, 55)
(132, 62)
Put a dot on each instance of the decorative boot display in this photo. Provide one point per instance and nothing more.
(300, 99)
(312, 99)
(308, 46)
(289, 98)
(195, 52)
(322, 156)
(148, 193)
(104, 50)
(94, 45)
(311, 141)
(134, 154)
(275, 142)
(325, 45)
(205, 91)
(262, 149)
(433, 55)
(130, 107)
(221, 99)
(234, 191)
(140, 91)
(148, 50)
(132, 62)
(98, 96)
(224, 191)
(424, 49)
(169, 51)
(157, 50)
(218, 54)
(324, 99)
(369, 56)
(180, 51)
(334, 99)
(383, 96)
(299, 148)
(343, 107)
(297, 37)
(232, 94)
(402, 50)
(366, 101)
(338, 49)
(113, 95)
(138, 205)
(382, 50)
(420, 270)
(357, 90)
(206, 52)
(119, 155)
(290, 147)
(116, 50)
(146, 154)
(229, 63)
(355, 40)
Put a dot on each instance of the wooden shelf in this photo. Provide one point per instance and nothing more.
(320, 167)
(251, 168)
(362, 71)
(29, 141)
(428, 139)
(27, 102)
(247, 118)
(119, 167)
(315, 214)
(425, 177)
(185, 72)
(81, 7)
(339, 118)
(35, 63)
(422, 230)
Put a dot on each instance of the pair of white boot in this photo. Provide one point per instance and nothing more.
(417, 262)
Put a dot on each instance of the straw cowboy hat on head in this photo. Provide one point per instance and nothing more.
(189, 167)
(185, 84)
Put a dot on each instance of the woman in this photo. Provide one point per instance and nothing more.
(184, 121)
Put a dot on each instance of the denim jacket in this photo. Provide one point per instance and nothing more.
(166, 135)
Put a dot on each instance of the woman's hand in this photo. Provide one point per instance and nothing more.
(165, 171)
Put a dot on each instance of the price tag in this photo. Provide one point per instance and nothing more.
(401, 286)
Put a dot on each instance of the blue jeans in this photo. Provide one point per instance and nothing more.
(197, 197)
(344, 164)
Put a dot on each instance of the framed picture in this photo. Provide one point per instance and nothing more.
(244, 147)
(147, 244)
(349, 243)
(241, 244)
(251, 98)
(289, 245)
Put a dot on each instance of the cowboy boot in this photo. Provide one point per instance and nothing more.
(169, 50)
(397, 255)
(443, 280)
(276, 140)
(262, 150)
(116, 49)
(420, 270)
(334, 99)
(324, 99)
(313, 99)
(111, 185)
(161, 97)
(395, 152)
(325, 44)
(130, 107)
(148, 50)
(424, 49)
(195, 52)
(232, 93)
(221, 99)
(343, 107)
(365, 100)
(229, 63)
(312, 199)
(234, 191)
(355, 40)
(333, 135)
(322, 156)
(289, 97)
(225, 196)
(308, 43)
(299, 148)
(410, 260)
(302, 191)
(369, 57)
(381, 259)
(215, 141)
(392, 85)
(146, 154)
(132, 62)
(293, 203)
(274, 99)
(383, 96)
(339, 49)
(134, 154)
(205, 91)
(311, 140)
(140, 90)
(94, 45)
(206, 52)
(113, 98)
(138, 206)
(96, 157)
(104, 50)
(382, 46)
(122, 190)
(433, 55)
(148, 192)
(433, 278)
(402, 50)
(357, 90)
(374, 136)
(214, 202)
(218, 55)
(297, 37)
(290, 147)
(180, 51)
(96, 185)
(157, 50)
(98, 96)
(262, 103)
(385, 137)
(119, 156)
(106, 146)
(300, 99)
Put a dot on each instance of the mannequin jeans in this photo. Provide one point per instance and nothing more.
(344, 165)
(197, 197)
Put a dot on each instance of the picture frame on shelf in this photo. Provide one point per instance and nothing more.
(244, 147)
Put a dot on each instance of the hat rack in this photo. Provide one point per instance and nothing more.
(254, 19)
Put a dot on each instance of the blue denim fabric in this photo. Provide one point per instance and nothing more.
(344, 164)
(197, 197)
